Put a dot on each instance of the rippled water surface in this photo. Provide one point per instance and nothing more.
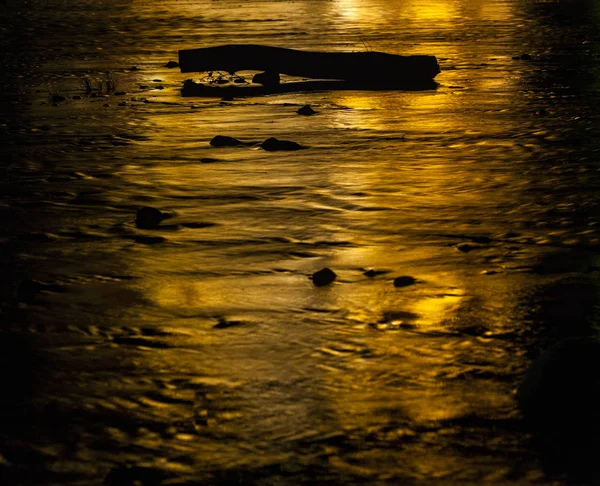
(200, 352)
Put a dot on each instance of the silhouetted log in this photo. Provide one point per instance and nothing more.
(366, 67)
(191, 88)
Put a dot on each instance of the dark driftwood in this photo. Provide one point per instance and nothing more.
(363, 67)
(191, 88)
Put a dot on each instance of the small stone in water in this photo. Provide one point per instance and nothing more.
(225, 141)
(464, 247)
(404, 281)
(323, 277)
(172, 64)
(148, 217)
(371, 272)
(306, 110)
(273, 144)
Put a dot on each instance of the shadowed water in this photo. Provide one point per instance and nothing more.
(200, 352)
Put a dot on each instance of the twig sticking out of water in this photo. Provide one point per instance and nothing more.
(110, 81)
(86, 82)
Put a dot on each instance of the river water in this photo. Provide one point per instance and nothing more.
(200, 352)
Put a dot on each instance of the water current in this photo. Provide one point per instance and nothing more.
(200, 352)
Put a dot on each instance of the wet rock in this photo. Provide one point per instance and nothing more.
(208, 160)
(148, 217)
(120, 93)
(464, 247)
(489, 272)
(273, 144)
(522, 57)
(371, 272)
(227, 98)
(225, 323)
(134, 68)
(404, 281)
(172, 64)
(560, 394)
(225, 141)
(268, 78)
(306, 110)
(323, 277)
(57, 98)
(76, 97)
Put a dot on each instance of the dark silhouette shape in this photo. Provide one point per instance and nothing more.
(404, 281)
(323, 277)
(348, 66)
(225, 141)
(148, 218)
(273, 144)
(306, 110)
(268, 78)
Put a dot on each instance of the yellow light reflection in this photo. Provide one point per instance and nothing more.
(438, 10)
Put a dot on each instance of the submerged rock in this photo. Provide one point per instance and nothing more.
(273, 144)
(372, 272)
(306, 110)
(404, 281)
(148, 217)
(224, 323)
(225, 141)
(464, 247)
(172, 64)
(323, 277)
